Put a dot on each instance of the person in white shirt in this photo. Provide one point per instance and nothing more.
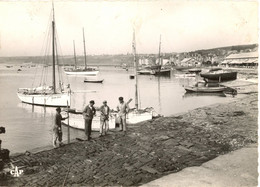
(122, 109)
(104, 118)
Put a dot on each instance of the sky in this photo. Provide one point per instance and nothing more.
(183, 25)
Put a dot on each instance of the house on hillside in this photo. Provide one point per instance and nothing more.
(189, 62)
(242, 60)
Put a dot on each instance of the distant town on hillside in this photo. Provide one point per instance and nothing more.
(204, 56)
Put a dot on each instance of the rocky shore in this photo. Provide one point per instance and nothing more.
(149, 151)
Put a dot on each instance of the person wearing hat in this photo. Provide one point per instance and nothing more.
(122, 109)
(104, 118)
(57, 132)
(88, 114)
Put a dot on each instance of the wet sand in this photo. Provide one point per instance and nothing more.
(149, 151)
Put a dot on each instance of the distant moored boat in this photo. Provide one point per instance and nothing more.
(81, 71)
(219, 76)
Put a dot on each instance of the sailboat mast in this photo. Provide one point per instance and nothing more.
(53, 53)
(136, 69)
(84, 49)
(75, 58)
(159, 56)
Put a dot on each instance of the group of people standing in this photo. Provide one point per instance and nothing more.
(88, 114)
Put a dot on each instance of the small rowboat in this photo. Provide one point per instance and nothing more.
(202, 87)
(93, 80)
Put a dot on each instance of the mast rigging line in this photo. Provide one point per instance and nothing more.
(41, 58)
(61, 57)
(44, 58)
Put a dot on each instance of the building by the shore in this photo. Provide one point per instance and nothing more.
(242, 60)
(189, 62)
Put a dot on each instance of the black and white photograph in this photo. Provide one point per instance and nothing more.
(129, 93)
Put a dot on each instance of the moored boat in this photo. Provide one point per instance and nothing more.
(161, 70)
(183, 68)
(135, 115)
(91, 80)
(203, 87)
(81, 71)
(146, 71)
(196, 94)
(47, 95)
(186, 75)
(219, 76)
(194, 70)
(76, 121)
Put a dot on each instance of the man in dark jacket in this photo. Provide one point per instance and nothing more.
(104, 118)
(57, 132)
(88, 114)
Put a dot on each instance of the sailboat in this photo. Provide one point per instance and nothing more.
(137, 115)
(82, 71)
(161, 70)
(45, 95)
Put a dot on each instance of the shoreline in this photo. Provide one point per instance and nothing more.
(150, 150)
(49, 147)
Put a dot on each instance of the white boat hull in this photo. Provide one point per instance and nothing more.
(146, 72)
(136, 117)
(93, 73)
(77, 121)
(62, 99)
(185, 75)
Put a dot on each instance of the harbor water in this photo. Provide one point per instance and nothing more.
(29, 127)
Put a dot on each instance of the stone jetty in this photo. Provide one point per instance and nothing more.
(149, 151)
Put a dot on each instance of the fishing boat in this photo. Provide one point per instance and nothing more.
(183, 68)
(93, 79)
(185, 75)
(82, 71)
(146, 71)
(200, 94)
(161, 70)
(218, 75)
(43, 94)
(203, 87)
(194, 70)
(135, 115)
(76, 121)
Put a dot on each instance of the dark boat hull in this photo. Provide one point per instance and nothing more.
(94, 81)
(220, 76)
(163, 72)
(194, 70)
(182, 68)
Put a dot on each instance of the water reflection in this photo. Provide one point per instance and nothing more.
(39, 111)
(31, 126)
(159, 95)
